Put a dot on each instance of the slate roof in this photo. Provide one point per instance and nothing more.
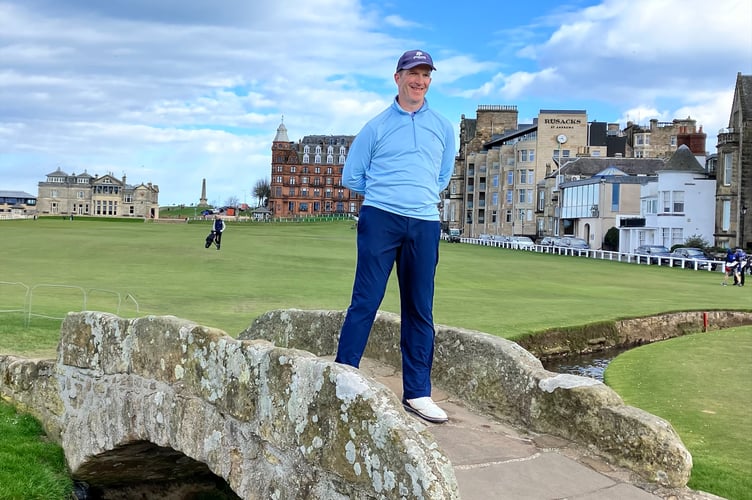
(15, 194)
(58, 173)
(521, 130)
(744, 84)
(563, 111)
(683, 161)
(590, 166)
(281, 134)
(610, 171)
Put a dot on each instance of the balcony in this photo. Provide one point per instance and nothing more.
(727, 135)
(632, 222)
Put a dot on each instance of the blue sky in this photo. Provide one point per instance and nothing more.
(172, 92)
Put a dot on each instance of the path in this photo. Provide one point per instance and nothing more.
(493, 460)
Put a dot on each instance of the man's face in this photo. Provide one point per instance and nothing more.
(413, 84)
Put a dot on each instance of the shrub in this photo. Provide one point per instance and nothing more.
(696, 241)
(611, 239)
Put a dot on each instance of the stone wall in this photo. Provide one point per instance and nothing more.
(628, 332)
(273, 422)
(504, 380)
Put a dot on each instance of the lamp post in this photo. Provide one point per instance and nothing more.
(741, 243)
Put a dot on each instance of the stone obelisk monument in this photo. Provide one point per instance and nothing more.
(202, 201)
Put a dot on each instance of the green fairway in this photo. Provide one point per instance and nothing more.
(146, 268)
(136, 269)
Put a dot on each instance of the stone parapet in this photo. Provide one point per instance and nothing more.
(273, 422)
(629, 332)
(504, 380)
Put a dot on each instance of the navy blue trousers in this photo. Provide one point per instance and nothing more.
(413, 244)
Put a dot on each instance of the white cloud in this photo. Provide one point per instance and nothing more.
(400, 22)
(114, 86)
(680, 56)
(452, 68)
(172, 92)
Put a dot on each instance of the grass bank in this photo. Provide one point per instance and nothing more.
(31, 467)
(701, 384)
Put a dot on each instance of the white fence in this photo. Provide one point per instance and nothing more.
(22, 295)
(629, 258)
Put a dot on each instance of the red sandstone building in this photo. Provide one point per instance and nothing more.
(306, 177)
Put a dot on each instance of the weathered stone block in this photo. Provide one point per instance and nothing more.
(273, 422)
(506, 381)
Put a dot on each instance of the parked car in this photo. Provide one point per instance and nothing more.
(653, 254)
(521, 242)
(547, 240)
(691, 256)
(574, 243)
(454, 235)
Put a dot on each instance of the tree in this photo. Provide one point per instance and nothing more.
(262, 190)
(696, 241)
(232, 201)
(611, 240)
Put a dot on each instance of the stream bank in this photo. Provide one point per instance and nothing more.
(588, 349)
(627, 333)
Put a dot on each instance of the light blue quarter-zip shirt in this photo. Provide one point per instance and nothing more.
(401, 161)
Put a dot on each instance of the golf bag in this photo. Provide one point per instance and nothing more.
(209, 239)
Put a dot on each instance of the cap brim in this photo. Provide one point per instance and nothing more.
(410, 66)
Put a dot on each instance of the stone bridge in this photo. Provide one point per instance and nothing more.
(163, 401)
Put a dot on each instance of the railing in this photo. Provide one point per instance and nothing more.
(26, 304)
(331, 217)
(726, 137)
(630, 258)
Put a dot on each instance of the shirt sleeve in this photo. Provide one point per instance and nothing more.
(358, 161)
(447, 159)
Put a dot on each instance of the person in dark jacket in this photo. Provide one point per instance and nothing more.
(741, 267)
(218, 228)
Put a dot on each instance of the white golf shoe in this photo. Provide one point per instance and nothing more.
(426, 409)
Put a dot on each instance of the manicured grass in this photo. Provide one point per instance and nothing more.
(31, 467)
(702, 384)
(139, 269)
(31, 341)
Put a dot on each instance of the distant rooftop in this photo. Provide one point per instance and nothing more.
(15, 194)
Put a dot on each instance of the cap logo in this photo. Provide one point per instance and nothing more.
(413, 58)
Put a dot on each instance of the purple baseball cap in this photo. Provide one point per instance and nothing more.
(413, 58)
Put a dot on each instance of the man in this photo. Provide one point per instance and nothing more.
(730, 265)
(741, 267)
(400, 161)
(218, 228)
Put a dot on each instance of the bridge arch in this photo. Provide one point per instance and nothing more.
(272, 422)
(140, 469)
